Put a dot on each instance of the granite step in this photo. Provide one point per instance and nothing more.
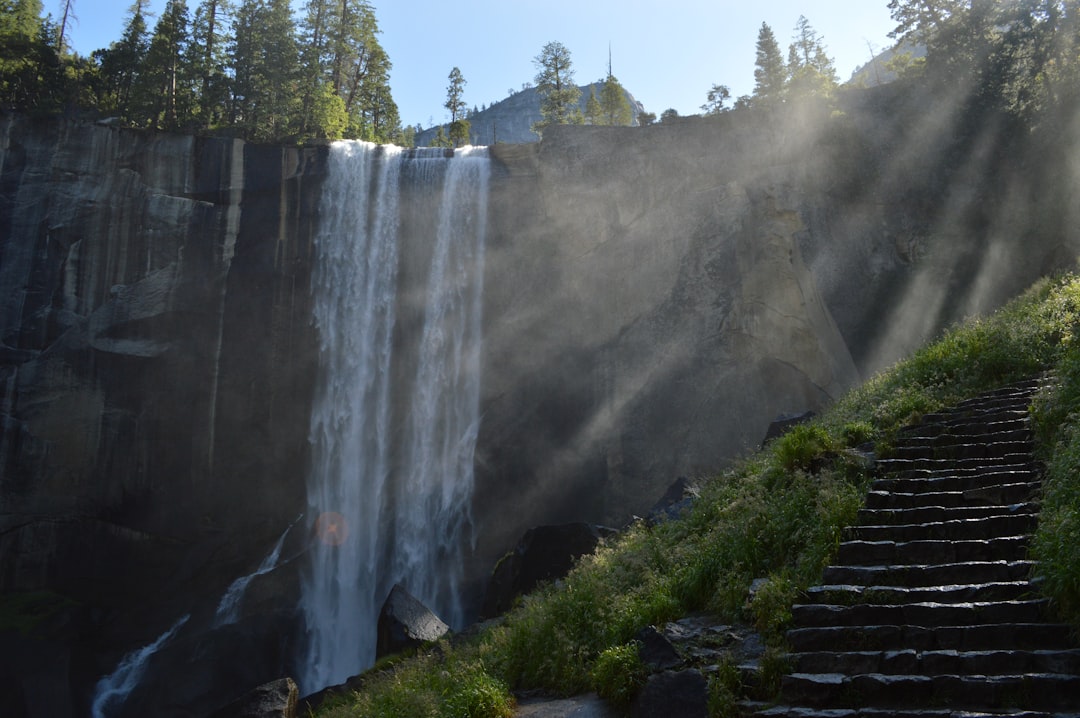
(932, 663)
(993, 495)
(1038, 691)
(766, 711)
(930, 574)
(939, 514)
(957, 481)
(952, 450)
(864, 553)
(848, 594)
(919, 614)
(988, 637)
(988, 527)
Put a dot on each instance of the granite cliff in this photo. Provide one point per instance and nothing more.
(653, 298)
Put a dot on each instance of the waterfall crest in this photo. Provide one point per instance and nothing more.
(397, 303)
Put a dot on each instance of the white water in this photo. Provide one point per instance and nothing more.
(228, 610)
(112, 690)
(395, 417)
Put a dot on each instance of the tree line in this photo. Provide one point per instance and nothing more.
(246, 68)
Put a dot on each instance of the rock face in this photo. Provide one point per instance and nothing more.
(653, 298)
(510, 121)
(156, 358)
(544, 553)
(406, 623)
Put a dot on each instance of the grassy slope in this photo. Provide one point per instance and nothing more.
(778, 515)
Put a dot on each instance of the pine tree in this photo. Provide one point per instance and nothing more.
(811, 70)
(122, 61)
(593, 110)
(770, 73)
(559, 96)
(208, 60)
(459, 126)
(615, 108)
(163, 93)
(265, 62)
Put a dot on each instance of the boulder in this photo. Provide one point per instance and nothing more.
(673, 693)
(784, 423)
(679, 497)
(544, 553)
(655, 650)
(276, 699)
(405, 623)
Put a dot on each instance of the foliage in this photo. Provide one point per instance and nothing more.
(238, 70)
(810, 70)
(618, 674)
(614, 107)
(770, 72)
(779, 516)
(559, 95)
(718, 95)
(445, 684)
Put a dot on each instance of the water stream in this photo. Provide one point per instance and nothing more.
(397, 297)
(112, 690)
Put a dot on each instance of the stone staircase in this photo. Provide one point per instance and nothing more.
(931, 610)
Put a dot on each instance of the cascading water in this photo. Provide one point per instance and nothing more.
(228, 610)
(112, 690)
(395, 416)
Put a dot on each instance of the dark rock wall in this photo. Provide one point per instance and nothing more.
(157, 356)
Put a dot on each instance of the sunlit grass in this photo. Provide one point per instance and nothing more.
(778, 516)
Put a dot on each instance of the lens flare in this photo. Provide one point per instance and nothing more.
(331, 528)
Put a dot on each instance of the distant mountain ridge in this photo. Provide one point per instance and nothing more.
(510, 121)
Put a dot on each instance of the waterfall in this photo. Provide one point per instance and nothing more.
(397, 295)
(113, 689)
(228, 610)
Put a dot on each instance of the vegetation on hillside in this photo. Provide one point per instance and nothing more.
(778, 515)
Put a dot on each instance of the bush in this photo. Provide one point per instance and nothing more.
(619, 674)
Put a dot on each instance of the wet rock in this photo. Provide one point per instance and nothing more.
(405, 623)
(673, 693)
(679, 497)
(545, 553)
(784, 423)
(276, 699)
(655, 650)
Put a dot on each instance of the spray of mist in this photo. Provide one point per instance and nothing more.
(395, 417)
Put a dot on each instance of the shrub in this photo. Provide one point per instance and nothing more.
(619, 674)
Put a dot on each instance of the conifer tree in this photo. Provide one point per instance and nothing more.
(810, 69)
(163, 94)
(615, 108)
(770, 73)
(559, 96)
(208, 60)
(122, 61)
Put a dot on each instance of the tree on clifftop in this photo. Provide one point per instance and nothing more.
(809, 67)
(459, 126)
(559, 95)
(770, 73)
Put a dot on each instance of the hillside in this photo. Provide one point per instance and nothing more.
(510, 120)
(759, 533)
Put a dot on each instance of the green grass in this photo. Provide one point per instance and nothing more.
(778, 515)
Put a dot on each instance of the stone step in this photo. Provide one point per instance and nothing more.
(1041, 691)
(991, 637)
(942, 466)
(930, 574)
(952, 451)
(939, 435)
(966, 428)
(849, 594)
(937, 514)
(750, 708)
(975, 472)
(934, 663)
(919, 614)
(957, 482)
(951, 530)
(996, 495)
(865, 553)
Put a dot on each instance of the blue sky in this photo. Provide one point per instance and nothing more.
(668, 54)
